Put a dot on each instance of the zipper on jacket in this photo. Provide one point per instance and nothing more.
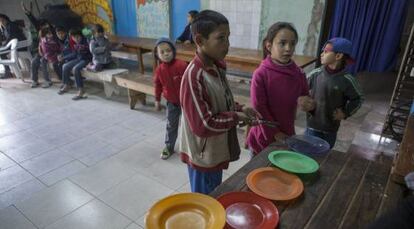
(202, 149)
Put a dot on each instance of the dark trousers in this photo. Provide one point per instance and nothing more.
(76, 65)
(40, 62)
(173, 118)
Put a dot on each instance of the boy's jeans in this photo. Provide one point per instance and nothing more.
(204, 182)
(77, 65)
(173, 118)
(330, 137)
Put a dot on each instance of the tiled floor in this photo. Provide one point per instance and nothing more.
(95, 163)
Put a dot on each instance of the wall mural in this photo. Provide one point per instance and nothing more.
(153, 18)
(94, 12)
(304, 14)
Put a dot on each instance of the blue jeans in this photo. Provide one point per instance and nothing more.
(173, 118)
(330, 137)
(77, 65)
(204, 182)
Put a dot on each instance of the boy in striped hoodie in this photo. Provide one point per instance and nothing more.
(335, 91)
(210, 115)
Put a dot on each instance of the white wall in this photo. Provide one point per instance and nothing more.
(12, 7)
(244, 20)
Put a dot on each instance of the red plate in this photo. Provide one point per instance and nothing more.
(248, 210)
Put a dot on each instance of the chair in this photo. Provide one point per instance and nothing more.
(25, 56)
(13, 62)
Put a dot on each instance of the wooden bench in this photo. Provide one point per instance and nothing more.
(141, 85)
(107, 76)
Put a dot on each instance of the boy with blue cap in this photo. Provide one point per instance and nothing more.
(334, 91)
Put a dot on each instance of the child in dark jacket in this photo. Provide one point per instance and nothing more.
(167, 80)
(186, 36)
(76, 61)
(336, 92)
(100, 47)
(49, 49)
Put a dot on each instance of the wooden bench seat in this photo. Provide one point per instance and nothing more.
(141, 85)
(107, 77)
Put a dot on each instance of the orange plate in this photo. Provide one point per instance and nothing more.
(186, 210)
(274, 184)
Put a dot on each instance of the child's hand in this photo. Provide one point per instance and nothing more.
(60, 58)
(306, 103)
(280, 137)
(243, 118)
(339, 114)
(157, 106)
(251, 113)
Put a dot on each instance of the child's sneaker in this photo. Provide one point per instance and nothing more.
(34, 85)
(47, 84)
(165, 154)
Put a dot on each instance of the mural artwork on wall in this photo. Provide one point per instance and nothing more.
(94, 12)
(153, 18)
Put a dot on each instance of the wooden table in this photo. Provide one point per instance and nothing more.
(346, 192)
(239, 59)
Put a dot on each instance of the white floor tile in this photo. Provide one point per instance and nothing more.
(133, 197)
(11, 218)
(93, 215)
(46, 162)
(61, 173)
(12, 177)
(49, 205)
(20, 193)
(103, 176)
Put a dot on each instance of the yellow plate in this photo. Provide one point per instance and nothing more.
(186, 210)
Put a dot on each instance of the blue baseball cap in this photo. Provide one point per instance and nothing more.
(342, 45)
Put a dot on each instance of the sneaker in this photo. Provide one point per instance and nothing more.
(34, 85)
(165, 154)
(47, 84)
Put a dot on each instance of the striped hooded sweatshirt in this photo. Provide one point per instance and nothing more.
(332, 91)
(208, 124)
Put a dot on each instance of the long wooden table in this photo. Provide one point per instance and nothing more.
(239, 59)
(346, 192)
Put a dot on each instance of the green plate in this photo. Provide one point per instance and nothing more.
(293, 162)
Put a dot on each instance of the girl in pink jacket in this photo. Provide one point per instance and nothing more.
(277, 86)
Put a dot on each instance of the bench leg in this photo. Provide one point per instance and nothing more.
(110, 89)
(141, 60)
(134, 97)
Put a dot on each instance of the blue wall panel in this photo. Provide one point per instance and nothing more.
(179, 9)
(125, 19)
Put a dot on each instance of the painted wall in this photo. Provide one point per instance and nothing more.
(125, 23)
(153, 18)
(244, 20)
(179, 10)
(94, 12)
(306, 16)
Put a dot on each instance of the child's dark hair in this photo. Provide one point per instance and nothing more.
(5, 17)
(160, 41)
(272, 32)
(60, 29)
(206, 22)
(193, 13)
(75, 32)
(45, 31)
(98, 28)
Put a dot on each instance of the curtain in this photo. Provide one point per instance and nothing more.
(374, 27)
